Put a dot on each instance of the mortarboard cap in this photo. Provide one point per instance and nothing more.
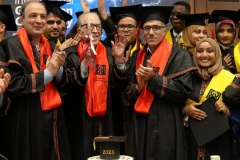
(91, 10)
(7, 17)
(109, 146)
(219, 15)
(66, 16)
(57, 4)
(237, 15)
(194, 19)
(161, 13)
(117, 13)
(212, 126)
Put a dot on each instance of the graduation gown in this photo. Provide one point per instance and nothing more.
(222, 145)
(82, 128)
(4, 105)
(27, 132)
(232, 97)
(230, 51)
(160, 134)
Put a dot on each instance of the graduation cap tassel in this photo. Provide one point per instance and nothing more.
(138, 35)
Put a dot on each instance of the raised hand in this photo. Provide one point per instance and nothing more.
(124, 3)
(4, 80)
(118, 47)
(85, 6)
(102, 9)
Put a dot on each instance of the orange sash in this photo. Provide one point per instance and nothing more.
(159, 60)
(96, 88)
(50, 98)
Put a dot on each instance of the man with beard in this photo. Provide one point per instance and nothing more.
(174, 35)
(55, 16)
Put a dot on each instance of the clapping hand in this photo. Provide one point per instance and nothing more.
(56, 61)
(4, 80)
(145, 73)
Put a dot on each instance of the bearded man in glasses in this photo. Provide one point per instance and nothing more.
(93, 75)
(159, 83)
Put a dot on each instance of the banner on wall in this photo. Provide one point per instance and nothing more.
(74, 6)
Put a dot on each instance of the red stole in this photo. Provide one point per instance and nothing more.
(49, 98)
(159, 60)
(96, 88)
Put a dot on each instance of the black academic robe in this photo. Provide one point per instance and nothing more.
(230, 51)
(4, 105)
(160, 134)
(81, 127)
(27, 132)
(222, 145)
(232, 93)
(234, 123)
(231, 96)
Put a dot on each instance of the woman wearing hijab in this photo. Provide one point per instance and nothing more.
(225, 33)
(195, 29)
(209, 81)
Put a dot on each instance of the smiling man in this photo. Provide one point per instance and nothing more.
(34, 127)
(159, 83)
(55, 16)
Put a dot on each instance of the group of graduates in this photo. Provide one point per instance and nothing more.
(57, 94)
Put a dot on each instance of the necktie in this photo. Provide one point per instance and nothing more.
(179, 40)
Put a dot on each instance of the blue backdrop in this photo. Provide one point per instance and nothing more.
(74, 6)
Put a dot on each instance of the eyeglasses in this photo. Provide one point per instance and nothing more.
(176, 13)
(98, 26)
(129, 27)
(147, 29)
